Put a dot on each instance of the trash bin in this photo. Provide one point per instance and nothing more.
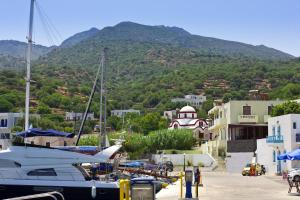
(143, 189)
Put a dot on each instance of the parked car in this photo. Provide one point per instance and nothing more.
(258, 169)
(294, 175)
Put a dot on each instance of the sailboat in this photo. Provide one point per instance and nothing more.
(27, 169)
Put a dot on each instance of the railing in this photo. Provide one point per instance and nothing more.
(39, 196)
(275, 139)
(248, 118)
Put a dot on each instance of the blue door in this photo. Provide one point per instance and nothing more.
(278, 165)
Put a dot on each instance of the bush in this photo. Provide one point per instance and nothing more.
(43, 109)
(89, 140)
(138, 144)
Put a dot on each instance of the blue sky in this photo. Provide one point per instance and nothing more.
(275, 23)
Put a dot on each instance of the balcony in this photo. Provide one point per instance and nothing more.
(275, 139)
(217, 123)
(248, 118)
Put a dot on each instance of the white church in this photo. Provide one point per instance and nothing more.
(187, 119)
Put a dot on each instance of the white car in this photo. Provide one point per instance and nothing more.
(294, 174)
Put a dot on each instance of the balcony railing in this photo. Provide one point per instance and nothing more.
(248, 118)
(275, 139)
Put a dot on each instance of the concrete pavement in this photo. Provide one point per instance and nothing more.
(225, 186)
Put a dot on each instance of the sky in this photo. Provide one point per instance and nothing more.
(274, 23)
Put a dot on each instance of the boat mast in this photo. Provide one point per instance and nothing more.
(89, 103)
(102, 133)
(28, 60)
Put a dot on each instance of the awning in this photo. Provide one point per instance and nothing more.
(33, 132)
(282, 157)
(294, 155)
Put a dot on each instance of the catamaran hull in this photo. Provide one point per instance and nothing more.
(69, 193)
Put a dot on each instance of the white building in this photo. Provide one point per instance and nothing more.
(121, 113)
(169, 114)
(72, 116)
(7, 122)
(191, 99)
(283, 136)
(236, 126)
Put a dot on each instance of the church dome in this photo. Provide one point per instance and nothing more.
(187, 109)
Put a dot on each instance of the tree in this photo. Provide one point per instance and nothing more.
(290, 107)
(5, 106)
(150, 122)
(114, 122)
(43, 109)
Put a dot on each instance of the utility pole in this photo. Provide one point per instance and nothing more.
(28, 60)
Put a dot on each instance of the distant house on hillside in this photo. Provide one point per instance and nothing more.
(72, 116)
(170, 114)
(121, 113)
(7, 122)
(191, 99)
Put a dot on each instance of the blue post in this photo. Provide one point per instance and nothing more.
(188, 193)
(188, 183)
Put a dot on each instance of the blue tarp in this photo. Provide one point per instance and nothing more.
(39, 132)
(282, 157)
(80, 148)
(294, 155)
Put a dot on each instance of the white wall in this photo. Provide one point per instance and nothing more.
(235, 162)
(289, 139)
(5, 143)
(178, 159)
(264, 154)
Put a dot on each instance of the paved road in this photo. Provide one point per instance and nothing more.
(224, 186)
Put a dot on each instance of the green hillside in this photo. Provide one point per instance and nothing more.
(147, 67)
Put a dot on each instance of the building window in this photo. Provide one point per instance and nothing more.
(193, 116)
(65, 143)
(185, 115)
(47, 144)
(42, 172)
(270, 110)
(273, 130)
(246, 110)
(32, 142)
(274, 156)
(294, 125)
(298, 137)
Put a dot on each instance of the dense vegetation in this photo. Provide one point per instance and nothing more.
(137, 145)
(290, 107)
(147, 67)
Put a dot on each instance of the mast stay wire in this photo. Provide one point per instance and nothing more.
(53, 35)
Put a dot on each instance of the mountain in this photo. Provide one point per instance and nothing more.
(18, 49)
(10, 62)
(129, 31)
(71, 41)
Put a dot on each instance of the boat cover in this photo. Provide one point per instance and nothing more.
(39, 132)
